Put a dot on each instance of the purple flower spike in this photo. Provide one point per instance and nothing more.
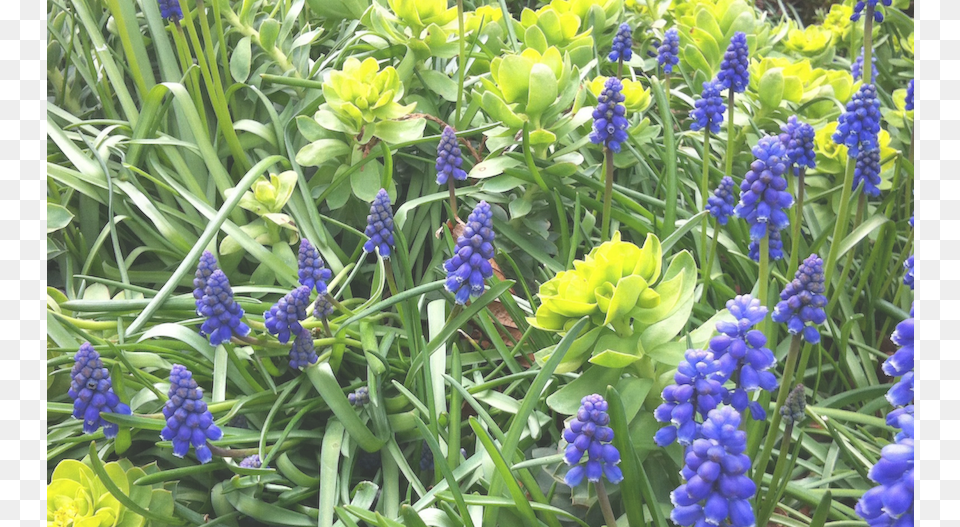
(380, 225)
(449, 158)
(589, 433)
(311, 270)
(283, 319)
(189, 422)
(92, 392)
(470, 264)
(222, 311)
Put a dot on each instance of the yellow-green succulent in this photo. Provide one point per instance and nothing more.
(618, 286)
(811, 40)
(362, 93)
(419, 14)
(838, 23)
(548, 27)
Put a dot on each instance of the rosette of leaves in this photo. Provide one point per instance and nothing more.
(777, 79)
(548, 27)
(812, 41)
(363, 101)
(532, 86)
(77, 497)
(706, 27)
(599, 14)
(426, 27)
(633, 310)
(266, 199)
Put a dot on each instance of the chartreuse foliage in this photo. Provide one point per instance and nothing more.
(428, 379)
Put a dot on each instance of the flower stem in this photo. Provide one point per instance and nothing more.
(605, 507)
(868, 45)
(666, 86)
(453, 202)
(353, 273)
(607, 193)
(845, 270)
(843, 217)
(730, 134)
(704, 188)
(342, 308)
(711, 256)
(763, 277)
(797, 222)
(785, 385)
(461, 67)
(773, 491)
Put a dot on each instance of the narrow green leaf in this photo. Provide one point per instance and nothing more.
(323, 379)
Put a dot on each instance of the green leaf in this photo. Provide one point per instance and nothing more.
(771, 88)
(519, 497)
(566, 400)
(321, 151)
(125, 500)
(240, 60)
(496, 108)
(440, 84)
(269, 31)
(394, 132)
(329, 462)
(58, 217)
(544, 92)
(323, 379)
(613, 359)
(493, 167)
(513, 77)
(629, 465)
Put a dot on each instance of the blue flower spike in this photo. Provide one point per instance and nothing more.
(170, 10)
(251, 462)
(360, 397)
(908, 101)
(723, 200)
(283, 319)
(470, 264)
(901, 363)
(92, 392)
(859, 126)
(449, 158)
(867, 172)
(205, 268)
(668, 54)
(310, 269)
(380, 226)
(743, 354)
(802, 301)
(697, 389)
(890, 503)
(792, 410)
(735, 67)
(302, 354)
(708, 110)
(622, 44)
(862, 4)
(716, 488)
(908, 274)
(764, 198)
(609, 121)
(189, 422)
(222, 311)
(322, 308)
(797, 138)
(775, 244)
(588, 433)
(856, 69)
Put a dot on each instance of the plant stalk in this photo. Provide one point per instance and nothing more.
(704, 188)
(605, 507)
(607, 194)
(730, 134)
(843, 217)
(786, 383)
(453, 202)
(712, 255)
(797, 223)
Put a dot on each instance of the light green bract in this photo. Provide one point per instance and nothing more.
(631, 308)
(77, 498)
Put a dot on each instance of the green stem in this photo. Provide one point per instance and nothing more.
(392, 283)
(712, 254)
(462, 58)
(453, 202)
(763, 277)
(353, 273)
(671, 189)
(868, 45)
(453, 423)
(786, 383)
(340, 307)
(607, 193)
(730, 134)
(666, 86)
(797, 222)
(845, 270)
(604, 502)
(843, 217)
(704, 188)
(773, 492)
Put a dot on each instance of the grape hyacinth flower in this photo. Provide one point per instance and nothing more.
(797, 138)
(470, 264)
(763, 194)
(360, 397)
(867, 172)
(92, 392)
(908, 275)
(283, 319)
(802, 301)
(609, 123)
(902, 419)
(859, 126)
(622, 44)
(426, 458)
(310, 268)
(735, 67)
(170, 10)
(856, 69)
(322, 308)
(792, 410)
(717, 490)
(775, 244)
(251, 462)
(697, 389)
(380, 225)
(900, 364)
(588, 433)
(449, 158)
(743, 356)
(862, 4)
(189, 422)
(222, 311)
(302, 354)
(205, 268)
(708, 110)
(721, 203)
(669, 50)
(890, 503)
(908, 101)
